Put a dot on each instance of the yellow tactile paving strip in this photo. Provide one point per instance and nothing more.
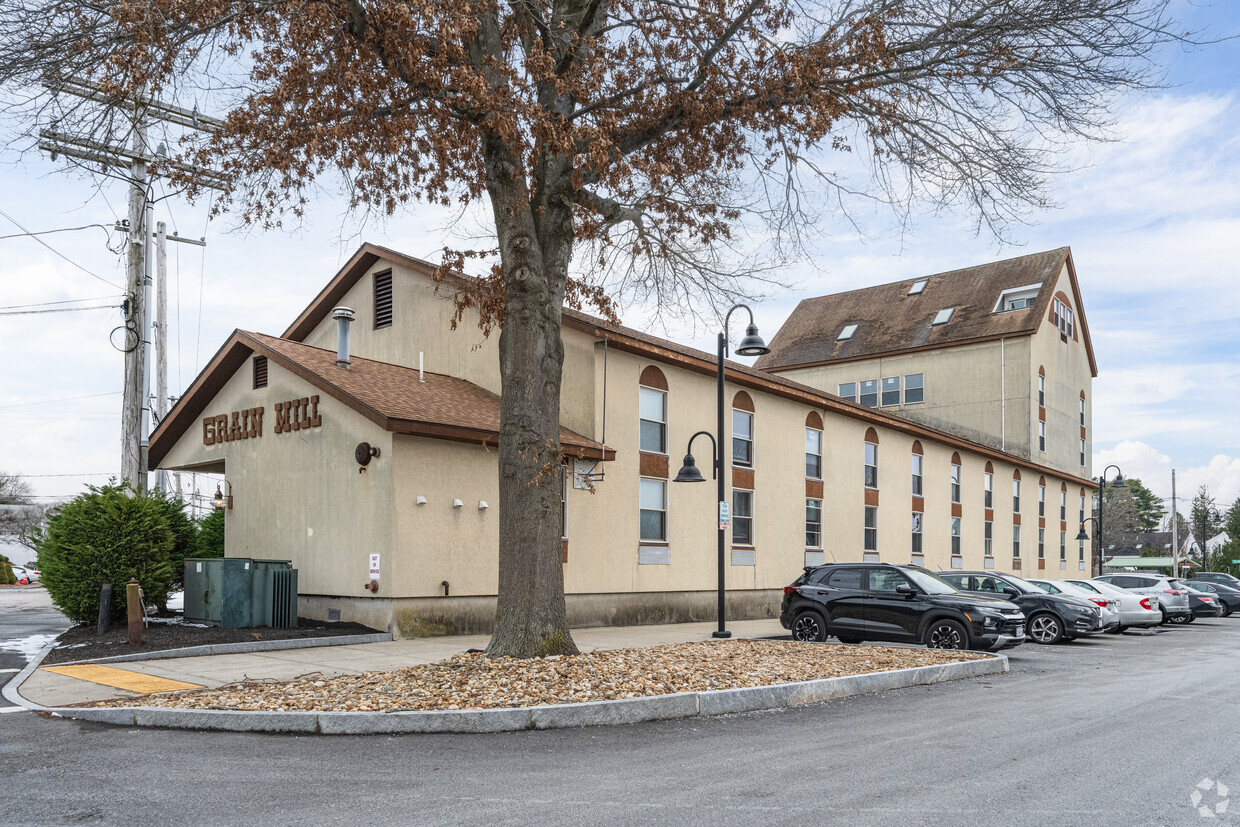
(120, 678)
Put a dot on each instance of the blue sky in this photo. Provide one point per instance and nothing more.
(1153, 220)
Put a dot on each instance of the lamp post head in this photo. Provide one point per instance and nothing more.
(752, 344)
(1119, 481)
(689, 471)
(1082, 537)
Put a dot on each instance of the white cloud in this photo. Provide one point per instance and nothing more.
(1221, 475)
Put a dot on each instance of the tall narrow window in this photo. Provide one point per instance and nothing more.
(813, 453)
(1063, 506)
(383, 299)
(1041, 500)
(1041, 543)
(891, 391)
(654, 510)
(1082, 411)
(955, 483)
(917, 518)
(988, 497)
(918, 460)
(1041, 391)
(1063, 546)
(1015, 496)
(1082, 452)
(988, 539)
(1016, 541)
(742, 438)
(914, 388)
(260, 372)
(742, 518)
(869, 393)
(955, 536)
(871, 528)
(848, 390)
(871, 465)
(1041, 436)
(653, 409)
(1082, 509)
(813, 523)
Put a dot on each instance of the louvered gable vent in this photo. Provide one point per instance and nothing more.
(260, 372)
(383, 299)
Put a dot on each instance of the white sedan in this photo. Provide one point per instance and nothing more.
(1134, 609)
(1109, 605)
(25, 575)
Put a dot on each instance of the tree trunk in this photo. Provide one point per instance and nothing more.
(530, 618)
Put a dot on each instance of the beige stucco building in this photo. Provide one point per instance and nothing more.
(393, 455)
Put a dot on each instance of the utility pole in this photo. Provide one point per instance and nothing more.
(136, 406)
(161, 331)
(1174, 528)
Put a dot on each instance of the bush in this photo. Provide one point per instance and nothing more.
(211, 535)
(184, 534)
(108, 535)
(7, 577)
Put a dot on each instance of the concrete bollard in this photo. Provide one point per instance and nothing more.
(133, 599)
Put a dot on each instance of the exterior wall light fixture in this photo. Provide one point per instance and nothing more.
(221, 499)
(458, 504)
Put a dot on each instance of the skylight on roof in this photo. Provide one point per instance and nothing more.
(943, 315)
(917, 287)
(847, 332)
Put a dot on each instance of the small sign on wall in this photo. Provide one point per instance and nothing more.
(374, 567)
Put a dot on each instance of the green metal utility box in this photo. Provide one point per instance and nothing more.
(239, 592)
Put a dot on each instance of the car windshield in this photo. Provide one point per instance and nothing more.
(929, 583)
(1022, 586)
(1086, 585)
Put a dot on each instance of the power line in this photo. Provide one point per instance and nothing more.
(57, 252)
(49, 232)
(46, 304)
(88, 474)
(62, 399)
(58, 310)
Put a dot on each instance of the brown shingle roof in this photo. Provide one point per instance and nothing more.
(889, 320)
(391, 396)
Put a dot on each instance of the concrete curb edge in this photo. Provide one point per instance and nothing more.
(560, 716)
(241, 648)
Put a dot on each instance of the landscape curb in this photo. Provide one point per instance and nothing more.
(240, 648)
(559, 716)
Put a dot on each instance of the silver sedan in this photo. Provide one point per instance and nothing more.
(1134, 609)
(1109, 605)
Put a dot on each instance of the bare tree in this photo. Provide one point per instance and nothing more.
(20, 514)
(624, 146)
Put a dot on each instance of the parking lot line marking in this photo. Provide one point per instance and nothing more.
(4, 709)
(120, 678)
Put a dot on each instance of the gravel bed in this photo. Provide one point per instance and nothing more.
(473, 681)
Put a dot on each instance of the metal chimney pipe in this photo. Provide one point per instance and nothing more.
(343, 316)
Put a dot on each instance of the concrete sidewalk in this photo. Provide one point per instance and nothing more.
(52, 689)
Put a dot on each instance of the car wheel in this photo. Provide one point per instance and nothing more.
(848, 639)
(1190, 618)
(809, 627)
(1226, 610)
(946, 634)
(1166, 618)
(1118, 630)
(1045, 628)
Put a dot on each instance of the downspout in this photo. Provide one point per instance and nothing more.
(1002, 395)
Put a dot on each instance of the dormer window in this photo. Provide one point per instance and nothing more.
(847, 332)
(1017, 298)
(943, 316)
(917, 287)
(1062, 317)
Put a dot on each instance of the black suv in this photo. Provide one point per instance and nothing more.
(1052, 617)
(883, 601)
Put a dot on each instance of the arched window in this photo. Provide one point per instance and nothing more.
(813, 446)
(652, 406)
(956, 477)
(1016, 491)
(871, 458)
(988, 487)
(918, 472)
(742, 430)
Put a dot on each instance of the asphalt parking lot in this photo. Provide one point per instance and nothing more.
(1108, 730)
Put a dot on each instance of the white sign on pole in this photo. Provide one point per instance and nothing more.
(725, 516)
(374, 567)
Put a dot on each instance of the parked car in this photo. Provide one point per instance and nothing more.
(1052, 617)
(25, 575)
(1218, 577)
(1134, 609)
(1203, 604)
(1228, 597)
(1172, 602)
(1109, 605)
(889, 602)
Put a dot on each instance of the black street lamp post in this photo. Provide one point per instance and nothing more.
(750, 345)
(1102, 484)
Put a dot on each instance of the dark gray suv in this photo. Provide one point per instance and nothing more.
(1052, 617)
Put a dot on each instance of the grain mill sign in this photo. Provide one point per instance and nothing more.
(291, 415)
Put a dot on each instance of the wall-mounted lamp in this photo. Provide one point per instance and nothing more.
(482, 505)
(458, 504)
(223, 500)
(421, 500)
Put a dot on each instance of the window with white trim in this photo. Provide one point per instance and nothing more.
(871, 465)
(652, 407)
(869, 393)
(918, 462)
(813, 523)
(955, 483)
(955, 536)
(1062, 317)
(917, 519)
(1063, 505)
(914, 388)
(1015, 496)
(1041, 544)
(1041, 391)
(1041, 436)
(988, 539)
(1083, 451)
(1017, 298)
(848, 390)
(1082, 510)
(813, 453)
(1041, 500)
(1016, 541)
(653, 510)
(1063, 546)
(891, 391)
(742, 438)
(871, 528)
(742, 518)
(988, 490)
(1082, 412)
